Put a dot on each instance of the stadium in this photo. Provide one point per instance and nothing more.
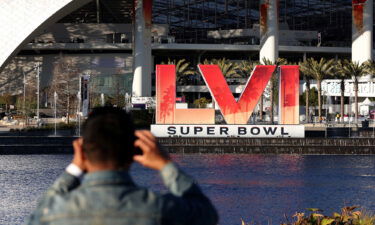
(119, 42)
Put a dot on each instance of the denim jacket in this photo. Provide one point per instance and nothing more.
(111, 197)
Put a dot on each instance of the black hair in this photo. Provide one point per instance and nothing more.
(108, 137)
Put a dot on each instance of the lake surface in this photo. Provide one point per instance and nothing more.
(257, 188)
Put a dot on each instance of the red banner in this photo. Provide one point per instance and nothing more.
(263, 9)
(147, 12)
(358, 10)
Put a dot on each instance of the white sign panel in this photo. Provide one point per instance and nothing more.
(243, 131)
(142, 100)
(149, 102)
(333, 88)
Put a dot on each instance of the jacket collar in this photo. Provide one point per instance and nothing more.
(108, 177)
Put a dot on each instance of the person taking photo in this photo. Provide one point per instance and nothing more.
(106, 194)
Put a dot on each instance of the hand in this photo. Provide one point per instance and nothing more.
(78, 154)
(152, 157)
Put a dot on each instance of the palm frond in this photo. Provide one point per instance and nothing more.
(318, 70)
(228, 68)
(370, 67)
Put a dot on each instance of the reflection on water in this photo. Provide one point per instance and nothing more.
(253, 187)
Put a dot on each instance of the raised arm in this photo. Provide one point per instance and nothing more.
(69, 180)
(186, 203)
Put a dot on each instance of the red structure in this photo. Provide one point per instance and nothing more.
(234, 112)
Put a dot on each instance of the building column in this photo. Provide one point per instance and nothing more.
(142, 48)
(269, 30)
(362, 30)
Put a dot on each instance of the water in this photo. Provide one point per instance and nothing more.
(257, 188)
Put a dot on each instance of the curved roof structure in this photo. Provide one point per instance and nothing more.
(21, 19)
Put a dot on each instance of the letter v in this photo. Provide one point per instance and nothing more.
(240, 111)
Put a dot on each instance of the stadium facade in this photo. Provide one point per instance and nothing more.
(105, 38)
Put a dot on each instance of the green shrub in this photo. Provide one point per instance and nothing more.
(201, 102)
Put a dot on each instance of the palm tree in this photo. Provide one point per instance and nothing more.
(279, 62)
(247, 67)
(306, 76)
(228, 68)
(370, 67)
(182, 70)
(342, 76)
(318, 70)
(355, 70)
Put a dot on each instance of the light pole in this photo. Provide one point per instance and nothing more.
(350, 111)
(102, 99)
(79, 105)
(37, 66)
(328, 101)
(55, 103)
(325, 93)
(127, 101)
(373, 127)
(24, 97)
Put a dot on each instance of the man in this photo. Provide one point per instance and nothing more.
(107, 194)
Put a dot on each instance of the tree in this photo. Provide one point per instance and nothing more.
(273, 81)
(201, 102)
(65, 83)
(354, 70)
(7, 100)
(342, 76)
(228, 68)
(370, 67)
(183, 70)
(318, 70)
(307, 77)
(30, 105)
(313, 98)
(118, 88)
(247, 67)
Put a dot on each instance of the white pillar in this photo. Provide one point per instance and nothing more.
(362, 30)
(142, 48)
(269, 30)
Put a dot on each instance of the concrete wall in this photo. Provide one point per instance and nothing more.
(306, 146)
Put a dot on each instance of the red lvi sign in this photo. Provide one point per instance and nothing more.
(234, 112)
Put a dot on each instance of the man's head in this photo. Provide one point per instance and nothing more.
(107, 139)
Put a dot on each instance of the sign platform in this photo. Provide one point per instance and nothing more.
(242, 131)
